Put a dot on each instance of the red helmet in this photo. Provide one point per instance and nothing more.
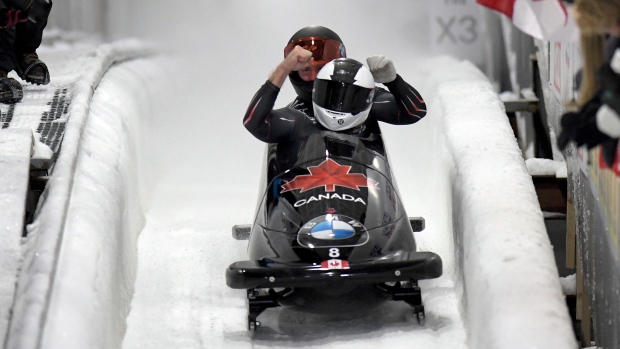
(325, 46)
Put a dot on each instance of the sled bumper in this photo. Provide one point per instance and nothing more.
(400, 266)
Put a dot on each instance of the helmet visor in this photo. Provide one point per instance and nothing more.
(341, 97)
(323, 50)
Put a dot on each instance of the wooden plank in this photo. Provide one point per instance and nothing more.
(580, 288)
(571, 233)
(586, 322)
(528, 105)
(552, 193)
(583, 311)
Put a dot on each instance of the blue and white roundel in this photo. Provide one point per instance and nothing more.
(332, 230)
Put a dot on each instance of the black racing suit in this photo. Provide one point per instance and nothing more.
(402, 105)
(25, 37)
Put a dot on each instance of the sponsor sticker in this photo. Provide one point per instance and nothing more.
(328, 196)
(332, 230)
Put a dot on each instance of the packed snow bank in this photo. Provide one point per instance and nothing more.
(512, 295)
(80, 263)
(15, 151)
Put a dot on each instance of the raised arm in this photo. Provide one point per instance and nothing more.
(298, 59)
(260, 119)
(403, 104)
(265, 123)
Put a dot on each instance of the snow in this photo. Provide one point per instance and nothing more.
(130, 246)
(54, 246)
(41, 150)
(508, 96)
(546, 167)
(569, 284)
(503, 247)
(15, 150)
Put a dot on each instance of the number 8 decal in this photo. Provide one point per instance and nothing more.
(334, 252)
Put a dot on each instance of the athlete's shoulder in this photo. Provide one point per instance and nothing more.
(300, 105)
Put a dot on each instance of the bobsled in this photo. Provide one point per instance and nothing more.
(330, 234)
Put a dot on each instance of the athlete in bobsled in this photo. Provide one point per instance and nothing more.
(306, 53)
(330, 233)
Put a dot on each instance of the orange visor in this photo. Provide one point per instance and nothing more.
(323, 50)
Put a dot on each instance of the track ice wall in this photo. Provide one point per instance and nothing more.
(77, 280)
(512, 294)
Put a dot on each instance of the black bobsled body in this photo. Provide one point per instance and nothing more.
(330, 232)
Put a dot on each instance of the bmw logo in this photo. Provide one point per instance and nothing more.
(332, 230)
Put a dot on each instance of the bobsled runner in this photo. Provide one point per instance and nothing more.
(330, 234)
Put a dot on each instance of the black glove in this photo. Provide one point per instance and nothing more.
(608, 151)
(10, 17)
(580, 127)
(609, 81)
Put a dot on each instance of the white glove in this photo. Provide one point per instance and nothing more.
(382, 69)
(615, 61)
(607, 121)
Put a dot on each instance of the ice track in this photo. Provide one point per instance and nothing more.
(130, 245)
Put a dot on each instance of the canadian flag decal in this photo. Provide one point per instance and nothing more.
(335, 264)
(329, 174)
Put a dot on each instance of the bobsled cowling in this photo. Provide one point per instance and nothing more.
(329, 196)
(329, 222)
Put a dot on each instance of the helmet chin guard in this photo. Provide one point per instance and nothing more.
(301, 87)
(343, 94)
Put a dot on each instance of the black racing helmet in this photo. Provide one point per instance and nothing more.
(325, 46)
(21, 5)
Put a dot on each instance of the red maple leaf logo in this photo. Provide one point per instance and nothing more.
(329, 174)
